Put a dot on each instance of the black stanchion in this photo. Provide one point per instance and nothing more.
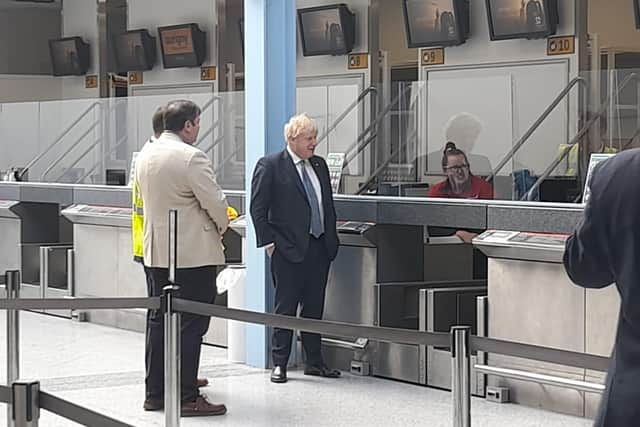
(13, 334)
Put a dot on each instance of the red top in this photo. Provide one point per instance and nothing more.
(480, 189)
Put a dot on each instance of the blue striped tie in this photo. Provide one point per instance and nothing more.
(316, 222)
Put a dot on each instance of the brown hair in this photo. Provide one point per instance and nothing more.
(157, 121)
(450, 149)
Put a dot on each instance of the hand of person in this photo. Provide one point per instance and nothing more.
(270, 250)
(465, 236)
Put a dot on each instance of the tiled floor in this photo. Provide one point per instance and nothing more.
(103, 369)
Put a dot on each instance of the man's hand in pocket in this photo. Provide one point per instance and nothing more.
(270, 249)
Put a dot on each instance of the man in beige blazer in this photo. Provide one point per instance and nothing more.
(172, 174)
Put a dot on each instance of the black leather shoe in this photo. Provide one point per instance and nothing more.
(153, 404)
(279, 374)
(321, 371)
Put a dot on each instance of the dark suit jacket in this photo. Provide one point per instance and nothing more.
(606, 249)
(280, 210)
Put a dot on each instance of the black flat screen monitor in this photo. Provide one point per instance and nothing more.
(135, 50)
(522, 19)
(116, 176)
(182, 45)
(327, 30)
(431, 23)
(636, 12)
(69, 56)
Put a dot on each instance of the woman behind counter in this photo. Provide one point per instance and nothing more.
(460, 182)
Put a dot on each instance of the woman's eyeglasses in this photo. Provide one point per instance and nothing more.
(459, 168)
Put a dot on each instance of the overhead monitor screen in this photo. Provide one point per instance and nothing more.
(432, 23)
(512, 19)
(182, 46)
(326, 30)
(69, 56)
(135, 51)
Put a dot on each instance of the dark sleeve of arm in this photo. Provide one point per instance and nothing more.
(586, 254)
(261, 202)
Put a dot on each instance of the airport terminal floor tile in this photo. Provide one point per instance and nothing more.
(103, 369)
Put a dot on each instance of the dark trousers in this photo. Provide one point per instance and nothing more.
(196, 284)
(301, 284)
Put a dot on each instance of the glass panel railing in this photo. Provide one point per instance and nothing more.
(513, 124)
(93, 141)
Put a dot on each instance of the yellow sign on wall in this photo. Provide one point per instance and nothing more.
(358, 61)
(135, 78)
(91, 82)
(208, 73)
(565, 45)
(432, 56)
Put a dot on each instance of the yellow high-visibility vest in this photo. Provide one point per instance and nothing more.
(137, 223)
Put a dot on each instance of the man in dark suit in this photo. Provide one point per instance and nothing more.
(605, 249)
(295, 221)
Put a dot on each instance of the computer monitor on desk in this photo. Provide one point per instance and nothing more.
(116, 177)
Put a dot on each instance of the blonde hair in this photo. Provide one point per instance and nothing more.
(298, 124)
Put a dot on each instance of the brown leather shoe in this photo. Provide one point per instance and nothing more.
(153, 404)
(202, 382)
(201, 408)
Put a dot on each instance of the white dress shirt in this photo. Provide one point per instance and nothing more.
(315, 182)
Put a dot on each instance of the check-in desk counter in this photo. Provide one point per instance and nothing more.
(369, 254)
(378, 279)
(532, 300)
(10, 227)
(31, 235)
(104, 266)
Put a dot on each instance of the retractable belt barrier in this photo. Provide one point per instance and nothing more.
(67, 410)
(403, 336)
(458, 340)
(72, 303)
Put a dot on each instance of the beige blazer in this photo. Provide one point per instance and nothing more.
(175, 175)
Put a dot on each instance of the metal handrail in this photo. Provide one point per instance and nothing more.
(384, 165)
(215, 125)
(111, 150)
(224, 161)
(84, 153)
(214, 144)
(209, 103)
(540, 378)
(59, 139)
(208, 132)
(576, 139)
(630, 140)
(74, 145)
(536, 125)
(349, 156)
(370, 90)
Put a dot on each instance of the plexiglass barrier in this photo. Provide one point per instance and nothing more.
(93, 141)
(527, 130)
